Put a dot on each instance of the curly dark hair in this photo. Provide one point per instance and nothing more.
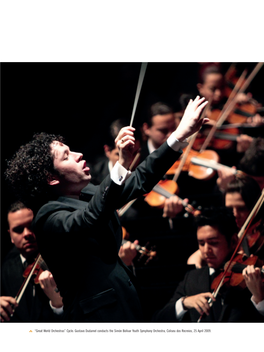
(30, 168)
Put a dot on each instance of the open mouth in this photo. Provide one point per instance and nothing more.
(85, 168)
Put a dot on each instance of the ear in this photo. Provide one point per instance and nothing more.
(12, 241)
(145, 128)
(234, 241)
(106, 150)
(199, 86)
(53, 182)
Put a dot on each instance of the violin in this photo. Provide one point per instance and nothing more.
(150, 253)
(239, 115)
(224, 278)
(231, 104)
(157, 196)
(234, 275)
(221, 140)
(255, 237)
(243, 111)
(32, 271)
(195, 170)
(164, 189)
(38, 266)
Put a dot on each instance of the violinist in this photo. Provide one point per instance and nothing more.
(39, 302)
(80, 219)
(241, 195)
(212, 85)
(217, 239)
(251, 164)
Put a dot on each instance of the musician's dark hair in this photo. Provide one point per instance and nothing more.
(207, 69)
(252, 163)
(220, 217)
(16, 206)
(29, 170)
(159, 108)
(248, 188)
(113, 131)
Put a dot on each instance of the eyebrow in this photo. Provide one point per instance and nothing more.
(209, 239)
(59, 153)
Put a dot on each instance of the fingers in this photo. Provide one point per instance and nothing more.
(191, 122)
(46, 280)
(202, 304)
(172, 207)
(125, 137)
(7, 305)
(251, 273)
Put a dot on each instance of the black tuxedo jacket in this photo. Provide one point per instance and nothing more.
(31, 308)
(99, 170)
(234, 305)
(80, 239)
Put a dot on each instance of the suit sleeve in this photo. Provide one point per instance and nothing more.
(148, 173)
(52, 217)
(168, 313)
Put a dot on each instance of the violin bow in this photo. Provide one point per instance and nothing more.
(26, 281)
(230, 104)
(227, 109)
(241, 235)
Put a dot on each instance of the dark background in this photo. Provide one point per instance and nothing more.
(80, 100)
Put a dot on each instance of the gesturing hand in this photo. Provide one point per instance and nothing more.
(191, 122)
(125, 142)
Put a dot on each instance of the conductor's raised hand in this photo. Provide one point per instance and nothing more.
(191, 121)
(125, 142)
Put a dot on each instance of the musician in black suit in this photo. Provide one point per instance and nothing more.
(40, 302)
(78, 226)
(217, 239)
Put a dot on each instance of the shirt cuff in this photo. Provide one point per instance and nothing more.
(119, 174)
(259, 306)
(175, 144)
(56, 310)
(179, 310)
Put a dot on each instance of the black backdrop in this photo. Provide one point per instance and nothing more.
(80, 100)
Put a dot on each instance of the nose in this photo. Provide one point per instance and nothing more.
(207, 248)
(27, 232)
(218, 92)
(77, 156)
(235, 212)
